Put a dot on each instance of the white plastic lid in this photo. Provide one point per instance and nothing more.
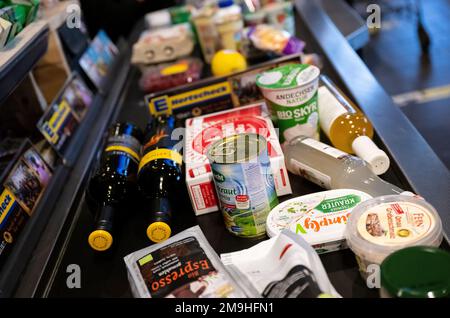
(367, 150)
(383, 225)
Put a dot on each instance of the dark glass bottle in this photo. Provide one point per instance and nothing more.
(159, 176)
(114, 182)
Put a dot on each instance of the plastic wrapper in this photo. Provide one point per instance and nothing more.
(285, 266)
(184, 266)
(270, 39)
(165, 76)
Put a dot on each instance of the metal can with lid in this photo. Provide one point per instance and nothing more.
(244, 183)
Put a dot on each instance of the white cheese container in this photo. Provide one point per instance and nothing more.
(320, 218)
(383, 225)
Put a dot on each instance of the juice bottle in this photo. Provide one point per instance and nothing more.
(347, 127)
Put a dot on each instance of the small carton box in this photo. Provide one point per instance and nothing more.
(202, 131)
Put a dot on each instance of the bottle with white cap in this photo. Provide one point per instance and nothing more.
(347, 127)
(332, 168)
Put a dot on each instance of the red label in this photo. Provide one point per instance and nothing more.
(238, 112)
(204, 196)
(241, 198)
(397, 208)
(227, 127)
(198, 171)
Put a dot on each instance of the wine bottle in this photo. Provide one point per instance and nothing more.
(347, 127)
(331, 168)
(159, 176)
(114, 183)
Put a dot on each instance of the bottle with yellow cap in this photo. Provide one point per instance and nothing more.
(160, 175)
(114, 182)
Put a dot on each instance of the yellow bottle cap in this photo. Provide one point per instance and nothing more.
(100, 240)
(158, 231)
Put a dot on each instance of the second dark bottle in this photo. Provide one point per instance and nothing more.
(159, 175)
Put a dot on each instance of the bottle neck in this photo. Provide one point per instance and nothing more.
(160, 209)
(105, 218)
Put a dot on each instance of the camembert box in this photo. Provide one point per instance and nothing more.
(202, 131)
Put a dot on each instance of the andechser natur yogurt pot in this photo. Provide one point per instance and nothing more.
(291, 94)
(416, 272)
(383, 225)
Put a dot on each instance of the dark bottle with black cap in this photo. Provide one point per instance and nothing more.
(114, 182)
(159, 176)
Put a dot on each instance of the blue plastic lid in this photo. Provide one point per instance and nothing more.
(225, 3)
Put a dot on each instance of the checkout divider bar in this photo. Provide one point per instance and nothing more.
(423, 170)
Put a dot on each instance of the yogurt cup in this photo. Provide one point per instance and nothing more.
(320, 218)
(291, 94)
(383, 225)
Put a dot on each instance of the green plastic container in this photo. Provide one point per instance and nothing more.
(416, 272)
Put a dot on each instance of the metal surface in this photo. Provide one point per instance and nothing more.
(14, 70)
(424, 171)
(348, 22)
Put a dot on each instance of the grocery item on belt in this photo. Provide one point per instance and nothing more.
(285, 266)
(291, 93)
(184, 266)
(203, 21)
(320, 218)
(416, 272)
(347, 127)
(244, 183)
(280, 15)
(202, 131)
(114, 183)
(160, 176)
(180, 14)
(163, 44)
(332, 168)
(270, 39)
(158, 19)
(383, 225)
(229, 25)
(227, 62)
(164, 76)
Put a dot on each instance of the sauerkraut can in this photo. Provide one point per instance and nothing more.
(244, 183)
(291, 93)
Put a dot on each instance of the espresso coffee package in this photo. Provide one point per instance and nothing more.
(184, 266)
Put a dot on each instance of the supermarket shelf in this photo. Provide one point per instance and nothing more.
(416, 161)
(18, 57)
(82, 151)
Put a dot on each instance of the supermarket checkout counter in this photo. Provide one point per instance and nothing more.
(64, 240)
